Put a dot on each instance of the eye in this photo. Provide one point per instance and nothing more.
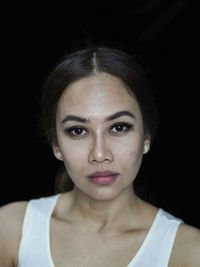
(76, 131)
(120, 127)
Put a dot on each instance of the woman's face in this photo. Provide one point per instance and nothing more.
(100, 129)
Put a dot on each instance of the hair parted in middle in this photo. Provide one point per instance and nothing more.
(84, 63)
(91, 61)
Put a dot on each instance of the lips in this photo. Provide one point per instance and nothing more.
(102, 174)
(103, 178)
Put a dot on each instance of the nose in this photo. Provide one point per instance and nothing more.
(100, 151)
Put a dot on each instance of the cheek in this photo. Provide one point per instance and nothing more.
(131, 147)
(71, 150)
(74, 158)
(130, 155)
(136, 157)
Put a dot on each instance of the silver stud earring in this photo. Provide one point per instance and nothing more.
(145, 149)
(59, 155)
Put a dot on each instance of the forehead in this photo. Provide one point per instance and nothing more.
(97, 96)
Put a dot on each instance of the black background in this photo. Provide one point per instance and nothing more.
(165, 33)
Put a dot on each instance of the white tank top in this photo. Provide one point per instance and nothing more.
(35, 250)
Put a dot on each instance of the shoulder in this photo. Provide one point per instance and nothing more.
(11, 221)
(187, 246)
(12, 214)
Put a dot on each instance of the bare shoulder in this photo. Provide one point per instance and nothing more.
(11, 221)
(187, 246)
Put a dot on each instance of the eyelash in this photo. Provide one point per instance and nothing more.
(119, 124)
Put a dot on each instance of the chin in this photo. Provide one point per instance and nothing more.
(104, 194)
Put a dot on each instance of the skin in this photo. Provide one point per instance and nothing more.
(98, 214)
(100, 148)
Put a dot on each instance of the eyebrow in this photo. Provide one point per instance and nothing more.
(109, 118)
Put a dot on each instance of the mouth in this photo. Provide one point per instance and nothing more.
(103, 178)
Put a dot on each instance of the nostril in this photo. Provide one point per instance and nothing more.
(99, 153)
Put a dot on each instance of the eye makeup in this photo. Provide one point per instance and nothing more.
(116, 129)
(76, 131)
(120, 127)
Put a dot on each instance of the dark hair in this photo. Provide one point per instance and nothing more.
(86, 62)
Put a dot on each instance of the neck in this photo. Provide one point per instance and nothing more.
(105, 214)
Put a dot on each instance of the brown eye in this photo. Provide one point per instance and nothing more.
(120, 127)
(76, 131)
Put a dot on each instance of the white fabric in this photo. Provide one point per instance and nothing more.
(34, 248)
(157, 246)
(35, 251)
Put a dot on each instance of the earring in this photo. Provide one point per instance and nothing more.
(59, 155)
(145, 149)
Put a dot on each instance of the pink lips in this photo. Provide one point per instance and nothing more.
(105, 177)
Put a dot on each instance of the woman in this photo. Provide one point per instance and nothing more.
(100, 122)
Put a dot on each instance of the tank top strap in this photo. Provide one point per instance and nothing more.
(166, 234)
(34, 247)
(157, 246)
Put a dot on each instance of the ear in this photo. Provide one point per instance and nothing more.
(57, 152)
(147, 143)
